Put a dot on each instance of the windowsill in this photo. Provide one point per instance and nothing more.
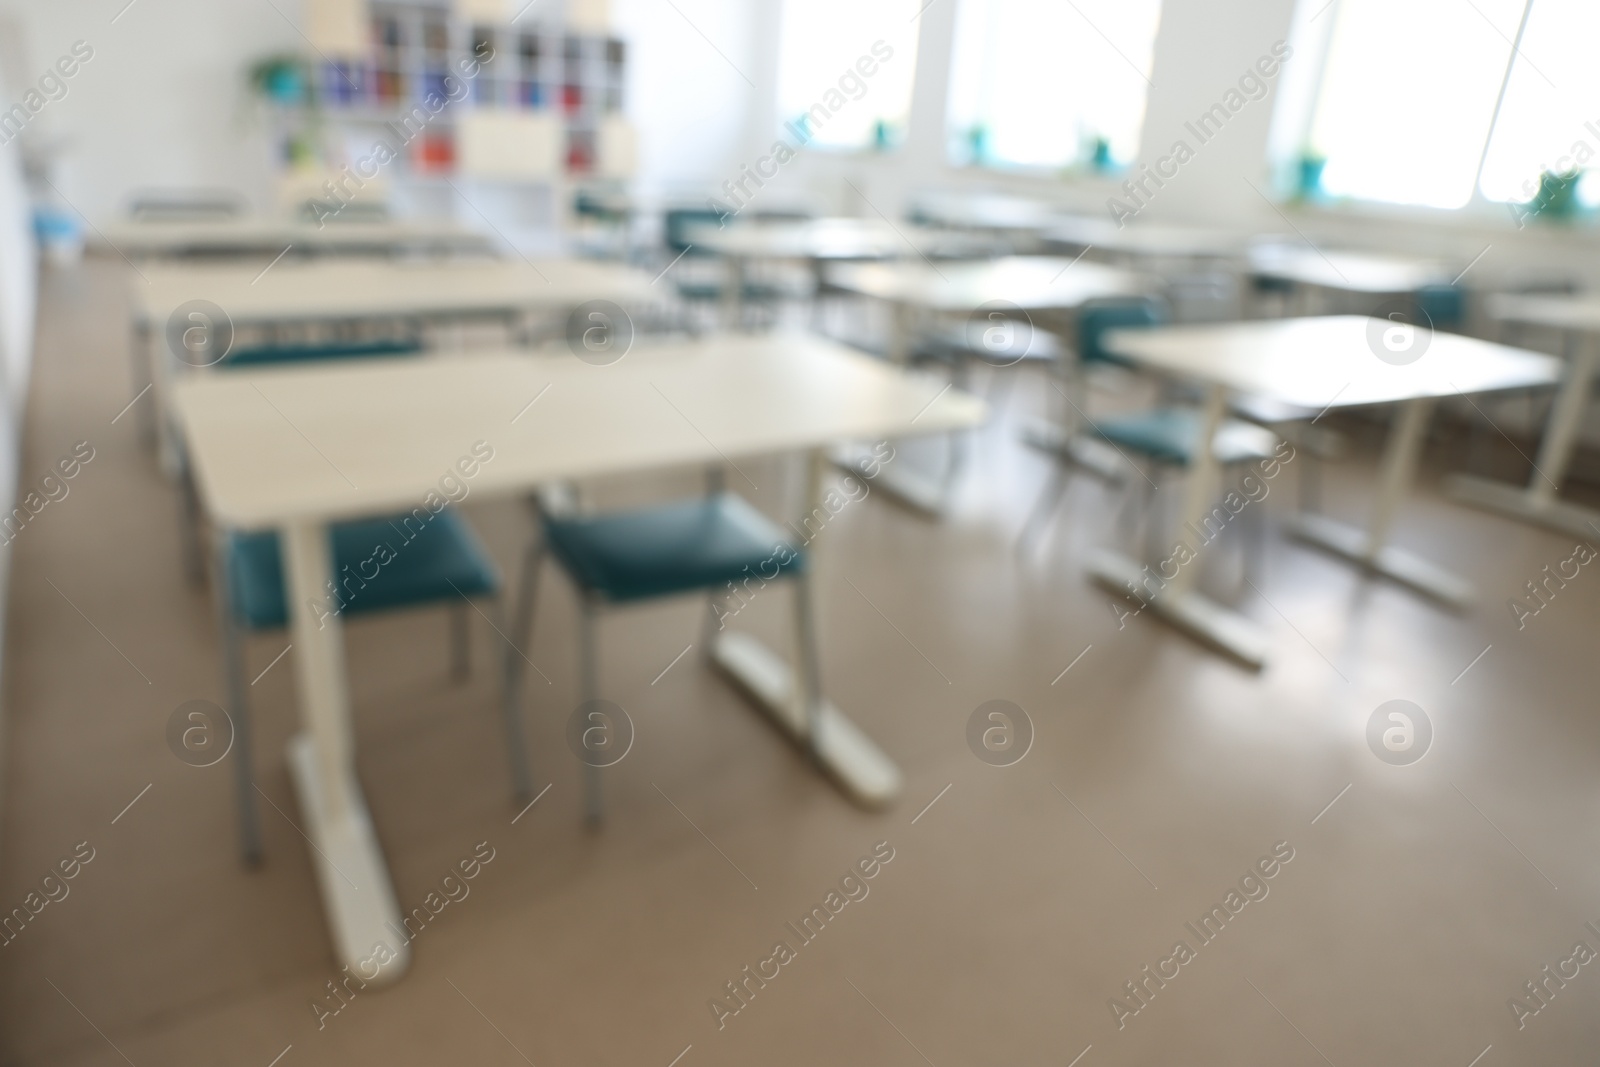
(1480, 217)
(834, 151)
(1068, 174)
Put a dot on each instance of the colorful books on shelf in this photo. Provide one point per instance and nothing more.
(443, 68)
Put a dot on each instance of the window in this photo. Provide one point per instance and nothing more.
(1046, 83)
(1551, 110)
(845, 70)
(1437, 103)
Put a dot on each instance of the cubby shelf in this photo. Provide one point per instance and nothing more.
(415, 47)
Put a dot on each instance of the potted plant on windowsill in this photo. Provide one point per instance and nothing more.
(1556, 200)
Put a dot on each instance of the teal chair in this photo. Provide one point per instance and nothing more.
(194, 564)
(437, 561)
(689, 546)
(431, 559)
(313, 353)
(705, 285)
(1444, 306)
(1163, 439)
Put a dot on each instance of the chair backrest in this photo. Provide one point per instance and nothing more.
(263, 355)
(679, 220)
(1444, 305)
(1096, 320)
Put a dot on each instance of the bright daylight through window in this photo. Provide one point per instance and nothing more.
(1046, 84)
(822, 46)
(1436, 103)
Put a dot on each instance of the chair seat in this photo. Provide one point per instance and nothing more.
(243, 357)
(1168, 435)
(441, 560)
(672, 548)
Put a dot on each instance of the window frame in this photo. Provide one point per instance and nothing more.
(867, 146)
(1478, 209)
(1081, 166)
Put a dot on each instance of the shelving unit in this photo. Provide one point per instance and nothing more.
(535, 68)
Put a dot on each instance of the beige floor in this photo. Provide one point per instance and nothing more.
(1413, 908)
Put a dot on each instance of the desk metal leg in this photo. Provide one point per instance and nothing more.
(363, 915)
(1174, 599)
(925, 492)
(1369, 547)
(141, 366)
(732, 292)
(839, 747)
(1065, 437)
(164, 371)
(1538, 502)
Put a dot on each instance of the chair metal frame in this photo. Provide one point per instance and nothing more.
(591, 605)
(232, 634)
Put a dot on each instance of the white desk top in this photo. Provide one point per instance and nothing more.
(1146, 239)
(336, 442)
(1031, 282)
(271, 236)
(1321, 362)
(305, 290)
(1580, 312)
(986, 211)
(1355, 272)
(833, 238)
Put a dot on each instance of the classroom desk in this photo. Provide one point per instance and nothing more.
(991, 212)
(1578, 319)
(830, 239)
(1032, 283)
(269, 237)
(1144, 241)
(1039, 284)
(351, 290)
(1313, 363)
(819, 241)
(385, 431)
(355, 289)
(1362, 274)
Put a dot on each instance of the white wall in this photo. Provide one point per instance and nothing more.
(18, 289)
(163, 101)
(691, 106)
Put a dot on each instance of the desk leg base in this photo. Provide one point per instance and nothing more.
(1518, 502)
(849, 756)
(921, 492)
(1397, 564)
(356, 892)
(1201, 618)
